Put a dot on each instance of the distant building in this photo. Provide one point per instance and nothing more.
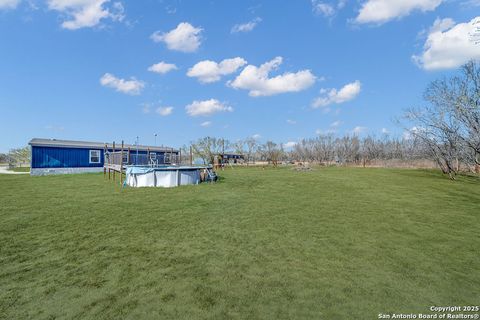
(228, 158)
(52, 156)
(232, 158)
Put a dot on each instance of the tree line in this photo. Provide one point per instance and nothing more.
(323, 149)
(17, 157)
(445, 130)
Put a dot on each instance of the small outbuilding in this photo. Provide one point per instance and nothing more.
(52, 156)
(232, 158)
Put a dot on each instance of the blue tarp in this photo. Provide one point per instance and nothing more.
(139, 170)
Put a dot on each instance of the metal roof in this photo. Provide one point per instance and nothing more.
(39, 142)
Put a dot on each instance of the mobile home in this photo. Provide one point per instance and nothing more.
(52, 156)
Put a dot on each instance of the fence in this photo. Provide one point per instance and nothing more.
(119, 159)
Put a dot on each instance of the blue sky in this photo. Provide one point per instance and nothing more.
(85, 69)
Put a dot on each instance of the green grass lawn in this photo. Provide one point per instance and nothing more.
(333, 243)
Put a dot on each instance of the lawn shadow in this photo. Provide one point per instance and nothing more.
(220, 178)
(469, 178)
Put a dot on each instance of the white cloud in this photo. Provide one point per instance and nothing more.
(170, 9)
(333, 129)
(146, 108)
(385, 131)
(381, 11)
(359, 130)
(206, 107)
(471, 3)
(322, 8)
(290, 121)
(440, 25)
(86, 13)
(164, 111)
(410, 133)
(256, 80)
(206, 124)
(475, 33)
(9, 4)
(55, 128)
(290, 144)
(208, 71)
(132, 86)
(335, 124)
(327, 9)
(162, 67)
(449, 46)
(184, 37)
(334, 96)
(246, 27)
(256, 136)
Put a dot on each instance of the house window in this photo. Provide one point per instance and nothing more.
(94, 156)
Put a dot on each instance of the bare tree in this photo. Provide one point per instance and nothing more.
(208, 147)
(184, 155)
(347, 149)
(303, 151)
(449, 125)
(3, 158)
(272, 152)
(251, 148)
(325, 150)
(238, 147)
(459, 98)
(371, 149)
(320, 149)
(436, 137)
(20, 156)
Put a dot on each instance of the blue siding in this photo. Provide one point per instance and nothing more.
(61, 157)
(232, 156)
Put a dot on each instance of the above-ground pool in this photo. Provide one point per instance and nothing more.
(167, 176)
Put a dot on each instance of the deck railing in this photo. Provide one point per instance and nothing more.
(119, 158)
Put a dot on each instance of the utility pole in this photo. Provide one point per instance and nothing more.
(191, 156)
(136, 143)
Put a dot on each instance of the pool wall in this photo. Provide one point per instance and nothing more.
(165, 177)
